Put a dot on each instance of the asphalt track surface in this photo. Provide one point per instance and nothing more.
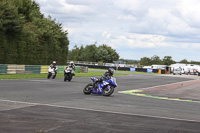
(55, 106)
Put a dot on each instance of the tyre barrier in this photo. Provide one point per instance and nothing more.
(77, 69)
(84, 69)
(44, 69)
(61, 69)
(3, 68)
(36, 69)
(14, 69)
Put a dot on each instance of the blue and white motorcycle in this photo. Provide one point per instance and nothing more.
(105, 87)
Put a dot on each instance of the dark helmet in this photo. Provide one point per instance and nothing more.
(54, 63)
(111, 71)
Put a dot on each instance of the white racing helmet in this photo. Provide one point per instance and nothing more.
(71, 63)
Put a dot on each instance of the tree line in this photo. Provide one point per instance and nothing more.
(105, 54)
(93, 53)
(167, 60)
(27, 37)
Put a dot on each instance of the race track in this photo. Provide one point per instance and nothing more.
(54, 106)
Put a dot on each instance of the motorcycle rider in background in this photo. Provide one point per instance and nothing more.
(71, 65)
(54, 65)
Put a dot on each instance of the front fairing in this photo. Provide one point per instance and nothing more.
(68, 70)
(112, 81)
(94, 79)
(51, 70)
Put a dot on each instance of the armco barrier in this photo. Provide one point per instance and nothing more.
(121, 68)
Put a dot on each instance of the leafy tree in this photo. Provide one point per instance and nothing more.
(11, 25)
(89, 53)
(167, 60)
(10, 21)
(111, 54)
(127, 61)
(74, 53)
(102, 55)
(156, 60)
(195, 62)
(29, 38)
(145, 61)
(184, 61)
(93, 53)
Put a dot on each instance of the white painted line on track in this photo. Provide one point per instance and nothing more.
(41, 80)
(96, 110)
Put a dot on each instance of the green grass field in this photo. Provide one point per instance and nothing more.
(128, 72)
(59, 75)
(91, 73)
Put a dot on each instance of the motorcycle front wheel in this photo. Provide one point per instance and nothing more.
(66, 77)
(108, 92)
(88, 89)
(49, 75)
(70, 78)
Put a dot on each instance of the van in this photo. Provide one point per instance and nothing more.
(177, 71)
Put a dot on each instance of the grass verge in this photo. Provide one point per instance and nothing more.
(119, 71)
(59, 75)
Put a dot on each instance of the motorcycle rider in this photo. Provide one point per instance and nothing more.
(71, 65)
(107, 75)
(54, 65)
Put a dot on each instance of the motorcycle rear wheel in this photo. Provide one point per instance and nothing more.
(108, 92)
(87, 90)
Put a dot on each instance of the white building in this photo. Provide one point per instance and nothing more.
(184, 67)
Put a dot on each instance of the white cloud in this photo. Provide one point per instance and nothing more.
(140, 41)
(130, 24)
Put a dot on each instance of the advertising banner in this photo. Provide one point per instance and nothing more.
(132, 69)
(149, 70)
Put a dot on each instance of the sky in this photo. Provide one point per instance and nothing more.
(134, 28)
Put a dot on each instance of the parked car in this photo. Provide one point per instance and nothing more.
(177, 71)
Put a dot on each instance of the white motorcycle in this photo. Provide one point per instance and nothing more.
(68, 74)
(51, 73)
